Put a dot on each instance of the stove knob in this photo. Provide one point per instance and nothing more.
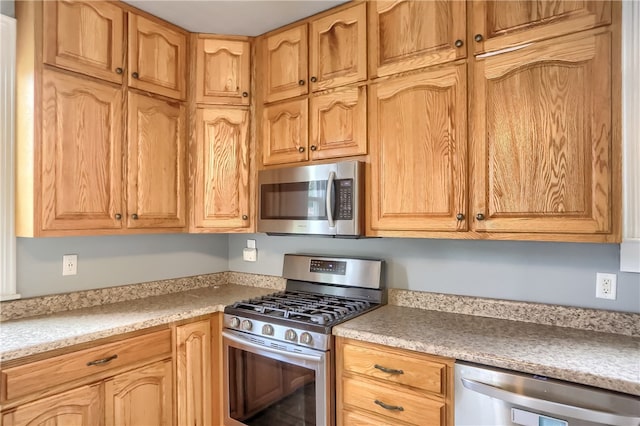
(306, 338)
(267, 329)
(247, 325)
(290, 335)
(235, 322)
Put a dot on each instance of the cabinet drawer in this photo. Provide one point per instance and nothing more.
(358, 418)
(39, 375)
(394, 367)
(393, 402)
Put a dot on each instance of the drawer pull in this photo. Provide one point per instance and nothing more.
(102, 361)
(388, 370)
(389, 407)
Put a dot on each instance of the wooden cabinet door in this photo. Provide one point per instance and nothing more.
(284, 63)
(501, 24)
(81, 171)
(542, 137)
(157, 57)
(407, 34)
(86, 37)
(222, 71)
(81, 406)
(193, 373)
(156, 158)
(221, 169)
(338, 48)
(418, 152)
(339, 123)
(284, 132)
(140, 397)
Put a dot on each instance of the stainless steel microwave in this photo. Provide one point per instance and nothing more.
(322, 199)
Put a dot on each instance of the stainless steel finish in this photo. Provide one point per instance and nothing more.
(329, 199)
(291, 335)
(267, 330)
(365, 273)
(487, 396)
(247, 325)
(306, 338)
(319, 172)
(234, 322)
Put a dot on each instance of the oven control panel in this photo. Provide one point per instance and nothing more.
(328, 266)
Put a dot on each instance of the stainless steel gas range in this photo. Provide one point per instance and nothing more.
(278, 349)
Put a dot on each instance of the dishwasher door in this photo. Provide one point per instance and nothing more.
(487, 396)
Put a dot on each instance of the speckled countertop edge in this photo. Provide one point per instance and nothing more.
(605, 360)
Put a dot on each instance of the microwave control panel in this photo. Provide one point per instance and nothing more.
(344, 195)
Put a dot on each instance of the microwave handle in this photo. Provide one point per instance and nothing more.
(329, 199)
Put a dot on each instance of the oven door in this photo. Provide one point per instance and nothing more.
(270, 383)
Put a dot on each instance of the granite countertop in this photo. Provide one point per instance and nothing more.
(38, 334)
(605, 360)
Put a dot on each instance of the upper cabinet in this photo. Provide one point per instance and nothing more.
(502, 24)
(157, 57)
(406, 35)
(222, 71)
(86, 37)
(284, 62)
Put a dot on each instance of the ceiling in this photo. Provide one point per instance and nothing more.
(233, 17)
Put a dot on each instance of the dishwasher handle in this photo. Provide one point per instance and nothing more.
(555, 408)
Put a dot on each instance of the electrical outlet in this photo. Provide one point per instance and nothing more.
(606, 286)
(70, 264)
(249, 254)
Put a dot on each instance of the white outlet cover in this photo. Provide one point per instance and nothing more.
(70, 264)
(606, 286)
(249, 255)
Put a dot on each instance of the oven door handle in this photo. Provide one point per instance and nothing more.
(249, 344)
(329, 199)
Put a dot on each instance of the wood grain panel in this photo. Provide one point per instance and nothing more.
(86, 37)
(284, 132)
(285, 65)
(156, 158)
(222, 71)
(81, 153)
(222, 169)
(265, 382)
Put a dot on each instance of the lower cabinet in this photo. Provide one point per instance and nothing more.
(380, 385)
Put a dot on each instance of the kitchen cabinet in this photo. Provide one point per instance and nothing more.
(377, 384)
(406, 35)
(193, 373)
(418, 152)
(498, 24)
(157, 57)
(85, 37)
(284, 62)
(156, 163)
(284, 132)
(222, 71)
(542, 137)
(221, 170)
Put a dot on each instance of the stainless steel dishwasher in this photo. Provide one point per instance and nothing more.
(487, 396)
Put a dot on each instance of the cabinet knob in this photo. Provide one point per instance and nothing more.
(459, 43)
(245, 217)
(313, 79)
(134, 216)
(478, 38)
(118, 216)
(245, 94)
(313, 147)
(135, 75)
(301, 82)
(480, 216)
(301, 149)
(118, 70)
(460, 216)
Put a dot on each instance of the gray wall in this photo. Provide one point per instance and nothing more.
(7, 7)
(559, 273)
(115, 260)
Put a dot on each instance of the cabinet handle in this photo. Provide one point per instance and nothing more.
(245, 94)
(460, 216)
(301, 149)
(134, 216)
(245, 217)
(118, 70)
(314, 79)
(480, 216)
(459, 43)
(388, 370)
(135, 75)
(118, 216)
(389, 407)
(102, 361)
(313, 147)
(301, 82)
(478, 38)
